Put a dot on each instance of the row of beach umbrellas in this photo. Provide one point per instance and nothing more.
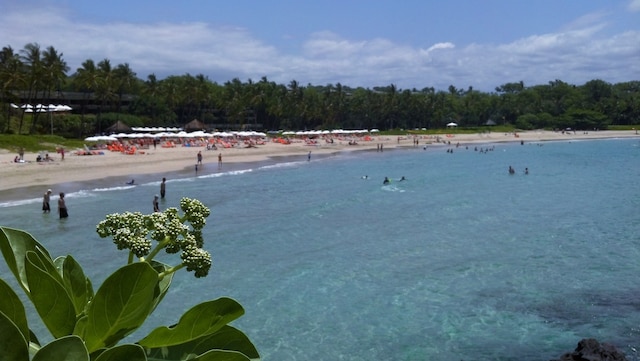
(28, 108)
(203, 134)
(181, 134)
(327, 132)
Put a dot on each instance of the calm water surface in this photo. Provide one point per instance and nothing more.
(461, 261)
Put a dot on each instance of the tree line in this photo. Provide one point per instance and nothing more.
(267, 105)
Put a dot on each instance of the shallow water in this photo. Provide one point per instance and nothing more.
(461, 261)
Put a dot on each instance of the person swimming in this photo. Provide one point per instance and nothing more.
(131, 182)
(386, 180)
(403, 179)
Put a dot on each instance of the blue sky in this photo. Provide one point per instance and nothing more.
(408, 43)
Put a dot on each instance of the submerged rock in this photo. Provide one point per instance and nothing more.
(590, 349)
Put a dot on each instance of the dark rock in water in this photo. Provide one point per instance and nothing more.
(590, 349)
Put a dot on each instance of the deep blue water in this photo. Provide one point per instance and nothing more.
(461, 261)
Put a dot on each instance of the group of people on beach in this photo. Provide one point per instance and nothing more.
(199, 160)
(513, 171)
(388, 181)
(62, 206)
(163, 190)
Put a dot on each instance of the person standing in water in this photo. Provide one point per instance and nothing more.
(62, 207)
(163, 187)
(156, 206)
(46, 208)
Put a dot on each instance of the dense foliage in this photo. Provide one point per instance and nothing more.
(264, 104)
(87, 325)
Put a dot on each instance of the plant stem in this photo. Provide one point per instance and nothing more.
(171, 270)
(158, 248)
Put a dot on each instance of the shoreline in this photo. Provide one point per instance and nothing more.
(77, 172)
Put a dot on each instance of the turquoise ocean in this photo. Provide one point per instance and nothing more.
(461, 261)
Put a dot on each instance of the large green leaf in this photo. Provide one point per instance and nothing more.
(50, 298)
(201, 320)
(14, 244)
(128, 352)
(13, 308)
(226, 339)
(69, 348)
(78, 285)
(221, 355)
(120, 305)
(13, 346)
(163, 285)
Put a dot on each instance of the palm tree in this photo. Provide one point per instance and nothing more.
(54, 71)
(32, 59)
(11, 78)
(86, 80)
(391, 105)
(151, 90)
(104, 93)
(124, 81)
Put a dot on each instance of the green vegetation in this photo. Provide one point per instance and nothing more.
(37, 143)
(114, 92)
(88, 325)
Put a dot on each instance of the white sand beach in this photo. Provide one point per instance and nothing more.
(77, 168)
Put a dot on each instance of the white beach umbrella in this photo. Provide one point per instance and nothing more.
(199, 133)
(452, 124)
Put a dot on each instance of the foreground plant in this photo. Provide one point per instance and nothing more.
(90, 326)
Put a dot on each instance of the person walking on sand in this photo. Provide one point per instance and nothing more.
(200, 158)
(46, 208)
(62, 207)
(309, 157)
(219, 160)
(163, 187)
(156, 207)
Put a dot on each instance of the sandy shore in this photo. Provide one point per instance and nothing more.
(80, 168)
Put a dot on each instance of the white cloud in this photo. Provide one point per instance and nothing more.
(577, 54)
(441, 46)
(634, 5)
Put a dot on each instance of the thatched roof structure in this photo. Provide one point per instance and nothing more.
(118, 126)
(194, 125)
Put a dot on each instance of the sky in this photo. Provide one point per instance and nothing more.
(358, 43)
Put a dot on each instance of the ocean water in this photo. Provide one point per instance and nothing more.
(461, 261)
